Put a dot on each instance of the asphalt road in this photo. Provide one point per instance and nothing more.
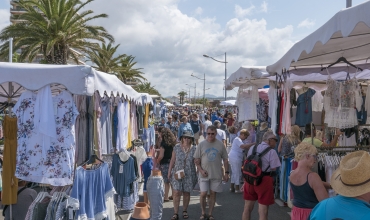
(229, 206)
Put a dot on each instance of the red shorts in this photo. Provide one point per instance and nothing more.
(264, 192)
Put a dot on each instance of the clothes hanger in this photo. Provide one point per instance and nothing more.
(92, 160)
(341, 59)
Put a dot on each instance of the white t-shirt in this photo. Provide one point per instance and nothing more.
(221, 135)
(236, 152)
(206, 124)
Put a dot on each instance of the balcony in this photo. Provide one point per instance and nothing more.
(15, 18)
(17, 11)
(14, 2)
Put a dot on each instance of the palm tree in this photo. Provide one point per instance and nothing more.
(129, 73)
(58, 29)
(182, 94)
(104, 59)
(146, 87)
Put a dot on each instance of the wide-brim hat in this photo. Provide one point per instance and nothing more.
(187, 134)
(352, 178)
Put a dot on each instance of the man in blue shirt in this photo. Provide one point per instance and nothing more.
(352, 182)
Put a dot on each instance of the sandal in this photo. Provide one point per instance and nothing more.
(211, 217)
(175, 217)
(203, 217)
(170, 198)
(185, 215)
(166, 200)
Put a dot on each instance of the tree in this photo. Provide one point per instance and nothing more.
(104, 60)
(58, 29)
(182, 95)
(146, 87)
(128, 73)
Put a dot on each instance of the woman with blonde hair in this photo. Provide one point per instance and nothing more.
(289, 142)
(308, 189)
(247, 125)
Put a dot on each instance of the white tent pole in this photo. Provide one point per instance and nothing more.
(349, 4)
(10, 50)
(9, 98)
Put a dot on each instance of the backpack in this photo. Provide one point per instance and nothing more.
(252, 167)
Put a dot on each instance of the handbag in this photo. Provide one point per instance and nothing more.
(180, 174)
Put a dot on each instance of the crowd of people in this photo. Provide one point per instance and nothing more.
(186, 162)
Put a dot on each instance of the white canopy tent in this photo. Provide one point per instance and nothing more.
(346, 34)
(255, 74)
(228, 103)
(79, 80)
(147, 100)
(318, 81)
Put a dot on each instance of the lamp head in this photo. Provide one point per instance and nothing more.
(205, 55)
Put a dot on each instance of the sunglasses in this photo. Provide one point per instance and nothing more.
(274, 139)
(211, 133)
(187, 137)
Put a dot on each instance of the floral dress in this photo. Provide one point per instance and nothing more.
(56, 168)
(188, 183)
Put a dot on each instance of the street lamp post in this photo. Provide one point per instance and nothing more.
(225, 62)
(204, 86)
(195, 90)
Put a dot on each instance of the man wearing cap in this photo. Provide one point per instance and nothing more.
(263, 193)
(352, 182)
(208, 158)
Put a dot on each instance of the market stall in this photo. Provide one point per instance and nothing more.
(63, 121)
(326, 76)
(251, 99)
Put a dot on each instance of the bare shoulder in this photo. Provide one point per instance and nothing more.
(313, 178)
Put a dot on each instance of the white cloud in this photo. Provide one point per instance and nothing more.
(306, 23)
(169, 44)
(241, 13)
(4, 18)
(264, 7)
(199, 11)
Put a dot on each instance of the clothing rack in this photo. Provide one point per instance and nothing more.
(353, 148)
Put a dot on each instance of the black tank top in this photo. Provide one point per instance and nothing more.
(304, 196)
(167, 153)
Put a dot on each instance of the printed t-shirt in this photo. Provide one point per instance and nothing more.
(211, 155)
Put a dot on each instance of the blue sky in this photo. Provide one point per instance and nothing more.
(168, 37)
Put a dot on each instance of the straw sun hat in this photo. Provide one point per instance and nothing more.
(352, 178)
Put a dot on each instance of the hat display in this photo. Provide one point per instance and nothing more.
(187, 134)
(352, 178)
(141, 211)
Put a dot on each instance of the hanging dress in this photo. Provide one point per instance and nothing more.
(247, 100)
(304, 108)
(340, 102)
